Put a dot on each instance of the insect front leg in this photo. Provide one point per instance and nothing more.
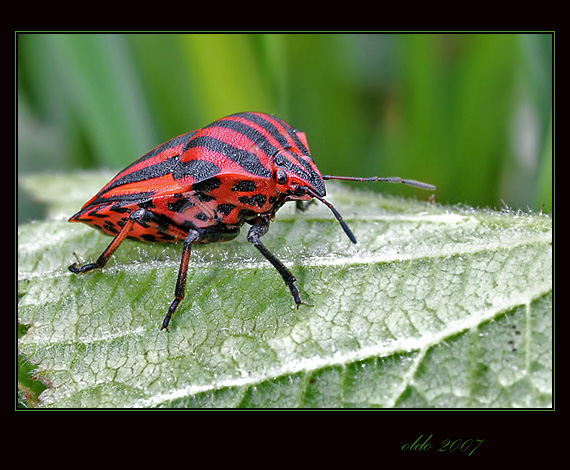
(193, 235)
(302, 206)
(136, 216)
(257, 230)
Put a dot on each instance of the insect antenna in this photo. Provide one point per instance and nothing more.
(388, 179)
(336, 214)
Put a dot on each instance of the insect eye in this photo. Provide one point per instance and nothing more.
(281, 176)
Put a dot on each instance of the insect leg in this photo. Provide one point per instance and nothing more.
(302, 206)
(136, 216)
(257, 230)
(181, 282)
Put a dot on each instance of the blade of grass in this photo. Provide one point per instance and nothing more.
(105, 93)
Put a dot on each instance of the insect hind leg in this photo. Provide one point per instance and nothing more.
(136, 216)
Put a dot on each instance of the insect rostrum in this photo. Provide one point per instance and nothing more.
(201, 187)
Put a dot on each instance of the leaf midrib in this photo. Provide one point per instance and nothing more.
(310, 365)
(314, 261)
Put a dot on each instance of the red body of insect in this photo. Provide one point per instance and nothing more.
(201, 187)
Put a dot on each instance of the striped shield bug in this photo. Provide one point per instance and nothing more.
(201, 187)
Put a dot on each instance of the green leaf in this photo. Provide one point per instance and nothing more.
(434, 307)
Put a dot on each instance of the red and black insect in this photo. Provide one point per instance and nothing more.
(202, 186)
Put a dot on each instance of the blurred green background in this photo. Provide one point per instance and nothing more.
(471, 113)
